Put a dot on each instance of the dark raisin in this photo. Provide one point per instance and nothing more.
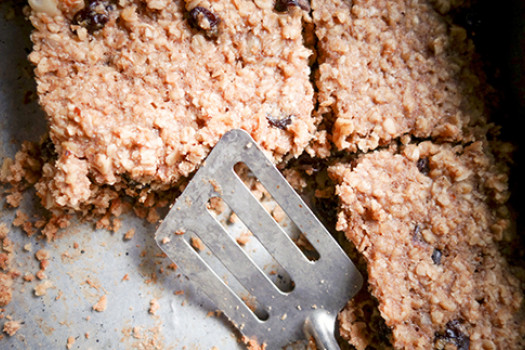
(286, 5)
(416, 235)
(94, 15)
(423, 165)
(436, 256)
(454, 335)
(47, 149)
(280, 123)
(205, 20)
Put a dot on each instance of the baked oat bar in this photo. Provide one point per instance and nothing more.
(394, 67)
(429, 220)
(140, 91)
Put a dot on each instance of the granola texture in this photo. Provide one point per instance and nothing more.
(389, 68)
(429, 220)
(140, 91)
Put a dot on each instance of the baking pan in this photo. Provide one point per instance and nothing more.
(87, 264)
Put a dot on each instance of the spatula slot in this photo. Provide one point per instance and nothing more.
(236, 228)
(214, 264)
(273, 209)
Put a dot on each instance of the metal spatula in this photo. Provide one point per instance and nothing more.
(320, 288)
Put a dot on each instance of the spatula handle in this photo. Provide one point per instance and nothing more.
(320, 326)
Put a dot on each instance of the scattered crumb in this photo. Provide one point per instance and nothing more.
(101, 304)
(14, 199)
(125, 278)
(252, 344)
(117, 224)
(244, 238)
(75, 245)
(20, 218)
(3, 230)
(41, 289)
(42, 254)
(28, 247)
(41, 275)
(179, 232)
(59, 295)
(70, 342)
(178, 292)
(197, 244)
(137, 333)
(165, 240)
(28, 277)
(129, 235)
(278, 213)
(153, 216)
(233, 218)
(154, 306)
(11, 327)
(172, 266)
(86, 335)
(6, 283)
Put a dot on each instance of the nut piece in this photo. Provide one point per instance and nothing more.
(45, 6)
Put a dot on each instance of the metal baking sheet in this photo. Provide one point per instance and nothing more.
(86, 263)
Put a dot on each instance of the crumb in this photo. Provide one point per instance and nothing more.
(165, 240)
(28, 247)
(59, 295)
(44, 264)
(3, 230)
(244, 238)
(101, 304)
(20, 218)
(233, 218)
(172, 266)
(197, 244)
(178, 292)
(117, 224)
(125, 278)
(6, 283)
(11, 327)
(129, 235)
(41, 275)
(153, 216)
(28, 277)
(278, 214)
(154, 306)
(86, 335)
(70, 342)
(137, 334)
(14, 199)
(41, 289)
(179, 232)
(75, 245)
(252, 343)
(42, 255)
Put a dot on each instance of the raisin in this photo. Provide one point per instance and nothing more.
(94, 15)
(47, 149)
(280, 123)
(454, 335)
(416, 236)
(436, 256)
(423, 166)
(286, 5)
(203, 19)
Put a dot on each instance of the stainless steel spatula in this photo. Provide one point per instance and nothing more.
(320, 288)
